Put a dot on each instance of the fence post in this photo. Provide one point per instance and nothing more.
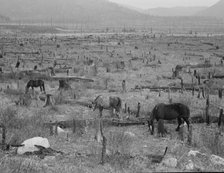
(125, 108)
(199, 79)
(56, 129)
(74, 126)
(193, 89)
(220, 93)
(124, 86)
(182, 85)
(220, 118)
(206, 111)
(3, 136)
(138, 110)
(129, 112)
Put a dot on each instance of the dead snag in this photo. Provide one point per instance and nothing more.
(48, 101)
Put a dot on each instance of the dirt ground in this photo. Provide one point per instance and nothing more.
(129, 149)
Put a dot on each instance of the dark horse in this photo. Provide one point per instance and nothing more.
(101, 103)
(35, 83)
(169, 112)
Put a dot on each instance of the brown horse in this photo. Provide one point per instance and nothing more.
(35, 83)
(172, 111)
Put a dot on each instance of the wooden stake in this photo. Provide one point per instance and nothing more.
(207, 111)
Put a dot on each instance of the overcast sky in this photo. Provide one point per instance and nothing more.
(165, 3)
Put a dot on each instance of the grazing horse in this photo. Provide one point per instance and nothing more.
(113, 103)
(35, 83)
(169, 112)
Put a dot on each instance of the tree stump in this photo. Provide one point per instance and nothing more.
(48, 100)
(63, 85)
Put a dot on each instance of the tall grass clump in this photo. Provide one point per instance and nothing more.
(119, 144)
(22, 128)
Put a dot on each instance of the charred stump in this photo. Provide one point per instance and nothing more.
(63, 85)
(48, 100)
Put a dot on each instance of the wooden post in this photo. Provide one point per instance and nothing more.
(129, 112)
(199, 79)
(124, 86)
(206, 111)
(51, 130)
(220, 118)
(3, 136)
(125, 108)
(182, 84)
(193, 89)
(138, 110)
(199, 92)
(74, 126)
(56, 129)
(189, 137)
(104, 145)
(220, 93)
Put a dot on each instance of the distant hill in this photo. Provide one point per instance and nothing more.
(175, 11)
(216, 10)
(83, 11)
(4, 18)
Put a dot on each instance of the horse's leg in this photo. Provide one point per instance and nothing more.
(188, 122)
(179, 123)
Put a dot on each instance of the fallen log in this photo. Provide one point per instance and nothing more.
(73, 78)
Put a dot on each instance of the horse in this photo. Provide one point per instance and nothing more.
(35, 83)
(113, 103)
(169, 112)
